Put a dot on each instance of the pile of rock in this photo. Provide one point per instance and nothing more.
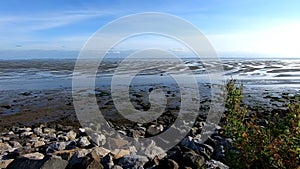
(63, 147)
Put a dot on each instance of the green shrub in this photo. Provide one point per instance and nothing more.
(276, 145)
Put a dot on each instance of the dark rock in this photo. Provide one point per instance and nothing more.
(133, 161)
(46, 163)
(192, 159)
(107, 161)
(167, 164)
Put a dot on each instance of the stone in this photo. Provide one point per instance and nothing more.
(213, 164)
(98, 139)
(56, 146)
(152, 150)
(98, 152)
(65, 154)
(62, 138)
(107, 161)
(116, 143)
(71, 135)
(26, 134)
(78, 158)
(202, 149)
(118, 153)
(5, 139)
(49, 130)
(116, 167)
(154, 129)
(133, 161)
(5, 147)
(55, 162)
(83, 142)
(94, 165)
(192, 159)
(33, 156)
(46, 163)
(38, 144)
(5, 163)
(38, 131)
(15, 144)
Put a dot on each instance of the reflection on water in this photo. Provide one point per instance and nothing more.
(48, 74)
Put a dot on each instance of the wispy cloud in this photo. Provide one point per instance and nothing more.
(47, 20)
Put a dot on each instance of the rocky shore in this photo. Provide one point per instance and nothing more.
(67, 147)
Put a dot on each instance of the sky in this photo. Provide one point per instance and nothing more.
(250, 27)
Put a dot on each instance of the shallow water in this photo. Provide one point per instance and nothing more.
(55, 74)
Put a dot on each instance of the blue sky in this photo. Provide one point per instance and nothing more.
(257, 27)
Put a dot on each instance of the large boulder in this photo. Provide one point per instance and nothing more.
(46, 163)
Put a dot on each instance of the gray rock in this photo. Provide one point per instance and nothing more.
(152, 150)
(213, 164)
(46, 163)
(56, 146)
(78, 158)
(202, 149)
(154, 129)
(25, 134)
(116, 167)
(98, 139)
(133, 161)
(38, 131)
(83, 142)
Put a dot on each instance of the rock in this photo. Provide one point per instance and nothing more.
(98, 139)
(119, 153)
(94, 165)
(25, 129)
(49, 130)
(55, 163)
(202, 149)
(5, 163)
(192, 159)
(34, 156)
(152, 150)
(15, 144)
(62, 138)
(154, 129)
(38, 131)
(71, 135)
(46, 163)
(83, 142)
(38, 144)
(107, 161)
(98, 152)
(26, 134)
(5, 139)
(133, 161)
(115, 143)
(5, 147)
(116, 167)
(78, 158)
(65, 154)
(56, 146)
(213, 164)
(172, 164)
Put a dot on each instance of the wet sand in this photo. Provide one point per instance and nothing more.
(39, 91)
